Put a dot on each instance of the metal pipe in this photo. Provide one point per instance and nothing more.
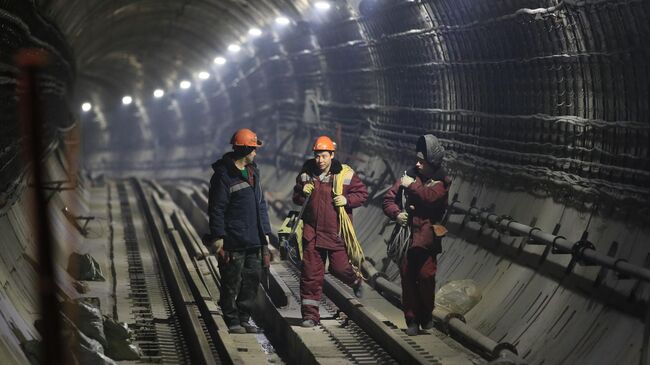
(453, 323)
(30, 61)
(559, 243)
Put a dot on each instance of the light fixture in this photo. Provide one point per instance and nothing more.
(158, 93)
(323, 5)
(254, 32)
(203, 75)
(127, 100)
(282, 20)
(234, 48)
(219, 60)
(185, 84)
(86, 106)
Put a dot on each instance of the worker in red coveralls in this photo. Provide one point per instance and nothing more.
(426, 186)
(321, 236)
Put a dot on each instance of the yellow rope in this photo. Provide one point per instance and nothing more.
(346, 230)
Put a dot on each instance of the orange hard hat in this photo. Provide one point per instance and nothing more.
(324, 143)
(245, 137)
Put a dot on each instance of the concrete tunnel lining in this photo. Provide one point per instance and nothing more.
(542, 105)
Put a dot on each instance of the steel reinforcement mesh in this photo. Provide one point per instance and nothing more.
(548, 96)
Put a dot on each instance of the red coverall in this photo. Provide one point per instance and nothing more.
(320, 237)
(427, 202)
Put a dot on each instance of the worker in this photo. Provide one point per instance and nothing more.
(239, 229)
(418, 201)
(321, 233)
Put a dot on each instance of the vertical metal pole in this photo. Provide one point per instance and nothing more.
(30, 62)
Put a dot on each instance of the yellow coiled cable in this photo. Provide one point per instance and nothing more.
(346, 229)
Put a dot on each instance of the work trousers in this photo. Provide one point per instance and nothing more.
(240, 278)
(418, 273)
(313, 274)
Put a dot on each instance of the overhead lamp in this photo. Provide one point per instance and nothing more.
(185, 84)
(219, 60)
(203, 75)
(254, 32)
(86, 106)
(322, 5)
(234, 48)
(158, 93)
(127, 100)
(282, 20)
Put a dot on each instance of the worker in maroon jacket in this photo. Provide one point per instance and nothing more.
(321, 236)
(419, 200)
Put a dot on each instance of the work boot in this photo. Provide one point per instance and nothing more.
(250, 328)
(428, 325)
(413, 329)
(308, 323)
(358, 288)
(236, 329)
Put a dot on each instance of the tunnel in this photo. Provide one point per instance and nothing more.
(114, 111)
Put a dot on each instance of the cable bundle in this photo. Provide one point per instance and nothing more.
(398, 243)
(346, 230)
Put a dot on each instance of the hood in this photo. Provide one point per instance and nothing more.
(311, 168)
(429, 148)
(227, 162)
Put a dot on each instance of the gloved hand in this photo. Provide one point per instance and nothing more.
(266, 257)
(215, 246)
(308, 188)
(402, 219)
(406, 181)
(340, 201)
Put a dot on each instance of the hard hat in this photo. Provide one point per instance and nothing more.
(324, 143)
(245, 137)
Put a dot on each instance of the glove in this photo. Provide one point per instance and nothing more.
(406, 181)
(402, 219)
(215, 246)
(340, 201)
(307, 189)
(266, 257)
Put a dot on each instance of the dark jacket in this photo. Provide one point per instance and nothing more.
(429, 200)
(236, 207)
(321, 223)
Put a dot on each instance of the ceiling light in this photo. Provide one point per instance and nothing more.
(254, 32)
(127, 100)
(219, 60)
(204, 75)
(86, 107)
(322, 5)
(234, 48)
(158, 93)
(185, 84)
(282, 20)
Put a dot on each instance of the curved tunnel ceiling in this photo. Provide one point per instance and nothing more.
(128, 45)
(529, 89)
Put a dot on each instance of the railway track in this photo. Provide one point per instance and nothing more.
(174, 295)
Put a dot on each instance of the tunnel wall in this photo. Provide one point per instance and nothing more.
(21, 27)
(542, 108)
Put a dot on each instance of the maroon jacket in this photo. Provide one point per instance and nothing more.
(320, 218)
(428, 197)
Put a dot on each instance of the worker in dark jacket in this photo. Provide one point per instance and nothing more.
(419, 200)
(321, 234)
(239, 229)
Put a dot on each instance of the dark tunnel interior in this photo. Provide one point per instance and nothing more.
(543, 107)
